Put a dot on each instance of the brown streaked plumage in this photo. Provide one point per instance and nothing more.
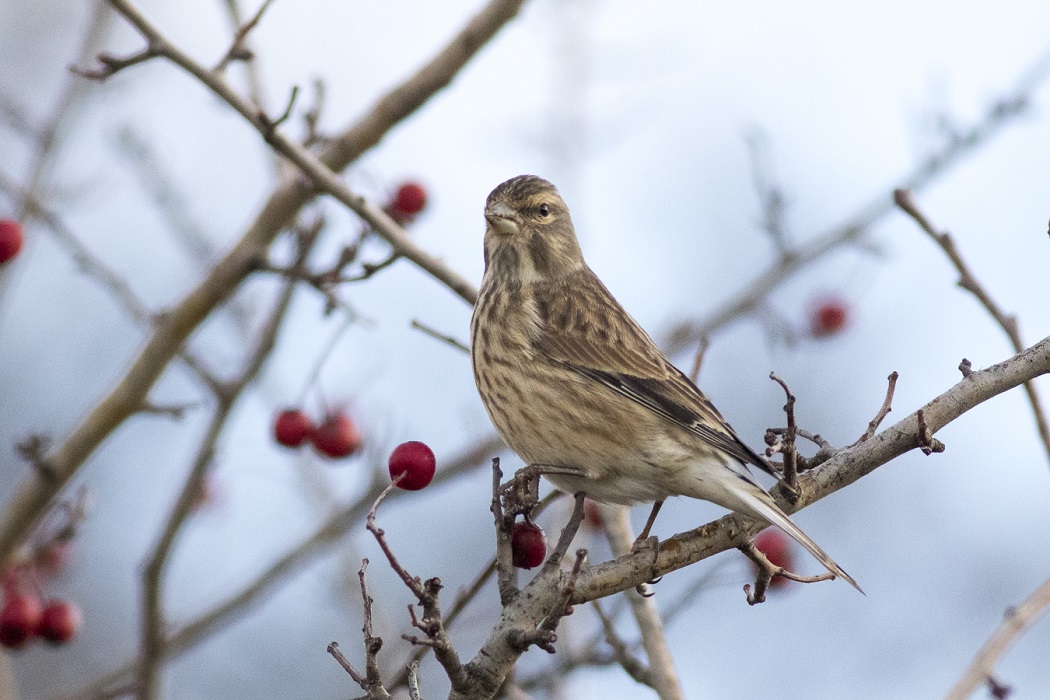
(571, 381)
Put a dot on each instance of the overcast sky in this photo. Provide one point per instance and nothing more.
(641, 113)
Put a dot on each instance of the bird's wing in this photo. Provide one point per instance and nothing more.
(613, 350)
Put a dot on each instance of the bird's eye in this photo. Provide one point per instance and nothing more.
(544, 210)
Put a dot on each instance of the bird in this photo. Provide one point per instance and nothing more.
(575, 386)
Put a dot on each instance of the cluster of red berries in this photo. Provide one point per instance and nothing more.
(335, 436)
(24, 618)
(408, 201)
(10, 239)
(777, 548)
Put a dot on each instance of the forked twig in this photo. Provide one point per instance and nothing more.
(903, 198)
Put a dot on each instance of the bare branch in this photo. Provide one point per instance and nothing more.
(239, 50)
(371, 682)
(767, 570)
(458, 344)
(176, 411)
(698, 358)
(426, 593)
(506, 574)
(413, 681)
(30, 498)
(110, 65)
(884, 411)
(967, 281)
(338, 655)
(154, 640)
(633, 666)
(662, 673)
(316, 169)
(1018, 621)
(839, 472)
(787, 446)
(328, 536)
(853, 229)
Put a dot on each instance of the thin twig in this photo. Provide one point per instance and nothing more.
(903, 198)
(698, 358)
(338, 655)
(327, 537)
(752, 296)
(787, 447)
(767, 570)
(154, 640)
(30, 499)
(426, 593)
(1018, 621)
(467, 595)
(633, 666)
(873, 425)
(239, 50)
(506, 574)
(413, 681)
(770, 193)
(454, 342)
(924, 438)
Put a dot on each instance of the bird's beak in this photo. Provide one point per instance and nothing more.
(502, 219)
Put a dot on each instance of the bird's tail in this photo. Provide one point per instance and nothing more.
(755, 501)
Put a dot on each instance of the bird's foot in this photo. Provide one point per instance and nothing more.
(642, 544)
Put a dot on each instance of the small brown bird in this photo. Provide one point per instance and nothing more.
(574, 384)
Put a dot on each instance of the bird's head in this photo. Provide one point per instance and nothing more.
(529, 234)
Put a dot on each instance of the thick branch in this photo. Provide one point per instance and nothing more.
(31, 497)
(840, 471)
(154, 638)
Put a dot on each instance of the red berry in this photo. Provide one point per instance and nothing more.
(828, 318)
(10, 239)
(410, 199)
(337, 436)
(416, 461)
(60, 622)
(19, 620)
(777, 548)
(527, 546)
(292, 427)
